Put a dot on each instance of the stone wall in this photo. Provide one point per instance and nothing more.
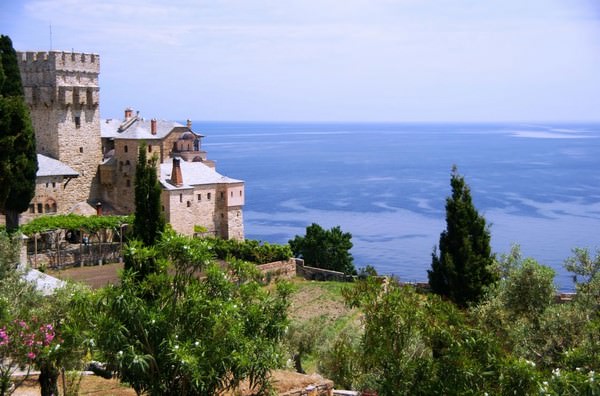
(285, 269)
(62, 92)
(325, 388)
(313, 273)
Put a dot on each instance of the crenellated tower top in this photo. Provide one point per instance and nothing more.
(59, 60)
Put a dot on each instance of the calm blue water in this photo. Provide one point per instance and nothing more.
(537, 185)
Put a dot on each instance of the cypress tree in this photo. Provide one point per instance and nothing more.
(149, 222)
(462, 269)
(18, 159)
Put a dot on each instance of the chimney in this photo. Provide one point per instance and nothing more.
(153, 126)
(128, 112)
(189, 124)
(99, 209)
(176, 177)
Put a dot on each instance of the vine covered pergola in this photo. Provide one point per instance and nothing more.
(87, 231)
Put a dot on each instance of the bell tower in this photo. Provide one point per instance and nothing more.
(62, 92)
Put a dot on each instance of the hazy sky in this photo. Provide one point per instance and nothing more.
(329, 60)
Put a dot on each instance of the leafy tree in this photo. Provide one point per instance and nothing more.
(415, 344)
(174, 333)
(18, 159)
(148, 222)
(327, 249)
(463, 268)
(47, 333)
(9, 253)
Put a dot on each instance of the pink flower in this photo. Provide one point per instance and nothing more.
(31, 355)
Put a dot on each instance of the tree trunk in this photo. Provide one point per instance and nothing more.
(12, 220)
(48, 379)
(298, 363)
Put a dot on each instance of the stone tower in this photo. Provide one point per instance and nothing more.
(61, 90)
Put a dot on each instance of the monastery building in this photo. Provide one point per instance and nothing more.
(85, 162)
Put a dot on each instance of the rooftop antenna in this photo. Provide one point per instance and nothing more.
(51, 36)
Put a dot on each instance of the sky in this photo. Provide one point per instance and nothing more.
(329, 60)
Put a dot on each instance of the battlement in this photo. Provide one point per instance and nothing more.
(59, 61)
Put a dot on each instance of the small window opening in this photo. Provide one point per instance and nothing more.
(128, 183)
(162, 207)
(208, 196)
(240, 193)
(81, 149)
(149, 148)
(31, 208)
(53, 184)
(199, 197)
(189, 204)
(222, 195)
(77, 122)
(40, 208)
(125, 148)
(232, 194)
(180, 197)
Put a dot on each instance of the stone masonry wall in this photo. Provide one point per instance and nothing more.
(285, 269)
(61, 90)
(49, 191)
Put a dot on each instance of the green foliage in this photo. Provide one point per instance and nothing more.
(586, 275)
(327, 249)
(303, 338)
(174, 333)
(527, 288)
(90, 224)
(10, 84)
(9, 252)
(149, 221)
(249, 250)
(415, 344)
(18, 159)
(462, 270)
(340, 361)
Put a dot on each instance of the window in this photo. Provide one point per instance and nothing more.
(180, 197)
(77, 122)
(53, 184)
(222, 195)
(189, 204)
(232, 194)
(162, 207)
(40, 208)
(240, 193)
(47, 184)
(199, 197)
(208, 196)
(32, 208)
(125, 148)
(128, 183)
(81, 149)
(149, 148)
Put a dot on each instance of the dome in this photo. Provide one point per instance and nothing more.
(187, 136)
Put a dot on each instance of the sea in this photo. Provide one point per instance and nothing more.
(536, 184)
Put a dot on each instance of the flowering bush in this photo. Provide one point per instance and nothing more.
(23, 344)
